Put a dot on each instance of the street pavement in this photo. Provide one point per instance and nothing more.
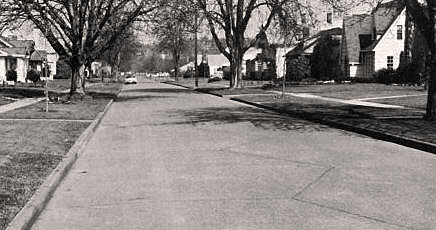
(169, 158)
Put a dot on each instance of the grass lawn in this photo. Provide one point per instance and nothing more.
(355, 91)
(77, 110)
(29, 152)
(104, 88)
(31, 149)
(417, 102)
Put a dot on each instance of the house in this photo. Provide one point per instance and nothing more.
(262, 66)
(15, 55)
(37, 60)
(28, 31)
(375, 41)
(298, 58)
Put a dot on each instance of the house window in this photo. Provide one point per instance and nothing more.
(390, 62)
(399, 32)
(329, 18)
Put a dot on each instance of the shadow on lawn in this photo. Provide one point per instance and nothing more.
(231, 115)
(344, 112)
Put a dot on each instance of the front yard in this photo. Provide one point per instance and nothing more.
(34, 142)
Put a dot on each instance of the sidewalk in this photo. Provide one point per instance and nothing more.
(19, 104)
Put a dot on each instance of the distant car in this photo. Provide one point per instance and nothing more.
(130, 79)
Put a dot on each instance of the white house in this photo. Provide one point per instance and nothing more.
(375, 41)
(28, 31)
(15, 55)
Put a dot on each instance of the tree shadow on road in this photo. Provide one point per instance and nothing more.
(231, 115)
(159, 90)
(124, 98)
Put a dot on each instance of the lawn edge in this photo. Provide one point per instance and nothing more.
(33, 208)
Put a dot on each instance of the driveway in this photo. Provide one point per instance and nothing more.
(168, 158)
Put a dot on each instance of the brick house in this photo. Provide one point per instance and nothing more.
(375, 41)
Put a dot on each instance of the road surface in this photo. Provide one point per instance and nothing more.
(168, 158)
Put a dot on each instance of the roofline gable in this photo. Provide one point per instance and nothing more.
(375, 44)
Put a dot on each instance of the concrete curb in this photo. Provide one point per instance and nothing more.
(33, 208)
(408, 142)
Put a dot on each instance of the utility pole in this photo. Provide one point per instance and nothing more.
(45, 64)
(196, 48)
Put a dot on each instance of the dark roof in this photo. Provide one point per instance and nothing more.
(385, 13)
(353, 27)
(15, 50)
(384, 23)
(311, 42)
(22, 43)
(39, 55)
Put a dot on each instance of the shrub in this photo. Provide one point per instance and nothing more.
(409, 74)
(33, 75)
(324, 62)
(11, 75)
(386, 76)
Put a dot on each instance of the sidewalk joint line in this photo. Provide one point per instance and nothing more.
(353, 214)
(313, 182)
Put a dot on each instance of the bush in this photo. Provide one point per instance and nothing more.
(324, 62)
(33, 75)
(386, 76)
(11, 75)
(407, 74)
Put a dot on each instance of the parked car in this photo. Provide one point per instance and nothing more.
(130, 79)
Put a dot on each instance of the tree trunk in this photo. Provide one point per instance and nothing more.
(236, 71)
(176, 67)
(430, 114)
(77, 80)
(431, 97)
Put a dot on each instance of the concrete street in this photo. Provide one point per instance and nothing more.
(167, 158)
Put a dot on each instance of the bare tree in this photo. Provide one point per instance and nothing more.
(80, 30)
(173, 27)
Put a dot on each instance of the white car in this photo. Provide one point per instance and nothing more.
(130, 79)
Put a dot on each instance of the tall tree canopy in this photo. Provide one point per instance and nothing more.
(231, 18)
(80, 30)
(173, 28)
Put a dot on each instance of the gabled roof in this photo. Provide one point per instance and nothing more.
(386, 27)
(39, 55)
(310, 43)
(385, 13)
(377, 23)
